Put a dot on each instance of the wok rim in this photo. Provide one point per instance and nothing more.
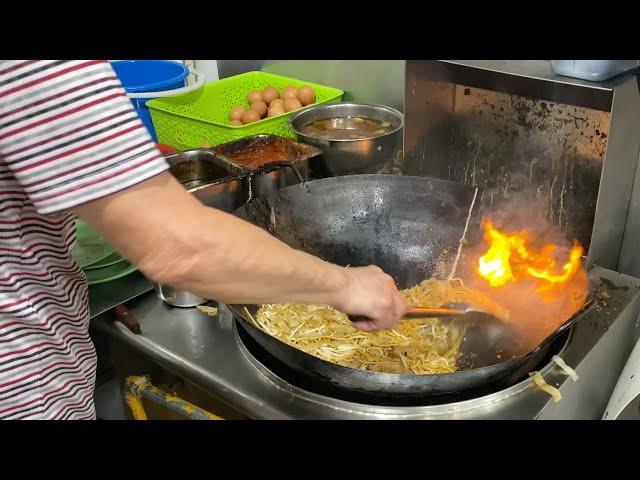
(403, 377)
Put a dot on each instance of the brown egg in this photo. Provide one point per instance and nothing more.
(260, 107)
(269, 94)
(250, 116)
(306, 95)
(236, 112)
(254, 96)
(290, 92)
(236, 123)
(277, 102)
(291, 104)
(276, 110)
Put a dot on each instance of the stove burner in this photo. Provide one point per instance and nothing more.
(292, 377)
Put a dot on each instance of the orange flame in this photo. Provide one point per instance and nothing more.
(511, 258)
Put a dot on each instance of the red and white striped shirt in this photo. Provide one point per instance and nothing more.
(68, 134)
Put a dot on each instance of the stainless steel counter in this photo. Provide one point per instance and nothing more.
(205, 350)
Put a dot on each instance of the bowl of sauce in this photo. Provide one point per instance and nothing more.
(355, 138)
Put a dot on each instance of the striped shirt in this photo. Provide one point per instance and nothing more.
(68, 134)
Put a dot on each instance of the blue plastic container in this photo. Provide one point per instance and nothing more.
(139, 76)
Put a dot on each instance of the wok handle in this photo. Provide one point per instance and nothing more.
(420, 312)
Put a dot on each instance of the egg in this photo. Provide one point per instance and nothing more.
(291, 104)
(269, 94)
(276, 110)
(236, 123)
(306, 95)
(236, 112)
(254, 96)
(259, 107)
(290, 92)
(277, 102)
(250, 116)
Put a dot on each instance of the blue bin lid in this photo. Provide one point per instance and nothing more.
(149, 75)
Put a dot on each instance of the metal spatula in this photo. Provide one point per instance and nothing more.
(448, 310)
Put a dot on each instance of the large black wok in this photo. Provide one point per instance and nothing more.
(402, 224)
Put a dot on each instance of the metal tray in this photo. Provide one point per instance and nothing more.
(211, 179)
(280, 149)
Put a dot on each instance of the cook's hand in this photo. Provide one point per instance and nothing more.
(373, 294)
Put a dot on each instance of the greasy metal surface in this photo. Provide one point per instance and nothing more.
(403, 225)
(515, 145)
(475, 124)
(613, 219)
(302, 157)
(603, 357)
(627, 102)
(200, 166)
(529, 78)
(203, 350)
(220, 183)
(264, 148)
(212, 180)
(349, 157)
(510, 146)
(541, 70)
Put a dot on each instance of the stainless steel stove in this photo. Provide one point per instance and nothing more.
(209, 352)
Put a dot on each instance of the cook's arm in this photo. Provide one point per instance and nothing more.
(176, 240)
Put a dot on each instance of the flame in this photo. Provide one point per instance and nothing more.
(511, 257)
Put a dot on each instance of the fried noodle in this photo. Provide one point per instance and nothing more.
(420, 347)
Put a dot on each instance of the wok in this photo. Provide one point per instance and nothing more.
(402, 224)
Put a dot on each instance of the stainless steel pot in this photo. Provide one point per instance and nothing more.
(352, 157)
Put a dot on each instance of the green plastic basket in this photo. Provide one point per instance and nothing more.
(190, 120)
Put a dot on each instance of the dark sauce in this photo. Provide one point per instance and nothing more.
(346, 128)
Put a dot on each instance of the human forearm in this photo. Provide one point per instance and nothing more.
(176, 240)
(248, 265)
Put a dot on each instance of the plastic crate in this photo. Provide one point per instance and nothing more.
(202, 116)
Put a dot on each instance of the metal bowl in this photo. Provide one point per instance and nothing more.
(357, 156)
